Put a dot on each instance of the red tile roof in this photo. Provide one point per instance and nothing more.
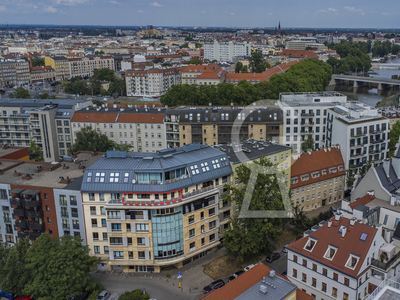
(350, 244)
(212, 71)
(233, 289)
(140, 118)
(362, 201)
(317, 161)
(88, 117)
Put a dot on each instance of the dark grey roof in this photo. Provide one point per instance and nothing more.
(391, 183)
(362, 208)
(158, 162)
(75, 184)
(257, 149)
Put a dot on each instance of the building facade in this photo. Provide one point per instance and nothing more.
(226, 51)
(14, 72)
(84, 66)
(318, 179)
(61, 66)
(161, 209)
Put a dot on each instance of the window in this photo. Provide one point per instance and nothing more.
(106, 251)
(116, 226)
(96, 249)
(345, 296)
(100, 177)
(116, 241)
(93, 210)
(211, 212)
(314, 282)
(95, 236)
(191, 233)
(346, 281)
(91, 196)
(304, 262)
(324, 272)
(294, 273)
(314, 267)
(334, 292)
(295, 258)
(105, 236)
(142, 227)
(140, 241)
(386, 219)
(304, 277)
(94, 222)
(114, 177)
(335, 276)
(212, 225)
(212, 237)
(330, 252)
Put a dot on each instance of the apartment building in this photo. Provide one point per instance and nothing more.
(305, 114)
(333, 260)
(216, 125)
(318, 179)
(161, 209)
(84, 66)
(142, 128)
(302, 44)
(203, 74)
(45, 122)
(43, 197)
(61, 66)
(258, 283)
(226, 50)
(360, 130)
(152, 82)
(42, 73)
(14, 72)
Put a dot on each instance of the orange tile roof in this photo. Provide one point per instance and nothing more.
(317, 161)
(298, 53)
(350, 244)
(212, 71)
(140, 118)
(303, 295)
(233, 289)
(89, 117)
(362, 201)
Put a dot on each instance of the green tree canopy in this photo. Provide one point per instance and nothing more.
(104, 74)
(247, 238)
(194, 61)
(21, 93)
(99, 52)
(240, 68)
(158, 60)
(35, 152)
(394, 137)
(308, 144)
(88, 139)
(77, 86)
(37, 61)
(257, 63)
(198, 45)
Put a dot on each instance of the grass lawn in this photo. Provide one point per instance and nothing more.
(223, 267)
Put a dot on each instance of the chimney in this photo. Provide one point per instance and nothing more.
(352, 221)
(325, 149)
(344, 230)
(337, 217)
(386, 166)
(272, 273)
(309, 152)
(371, 193)
(329, 223)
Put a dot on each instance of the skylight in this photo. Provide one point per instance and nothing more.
(205, 167)
(216, 164)
(194, 169)
(341, 228)
(363, 237)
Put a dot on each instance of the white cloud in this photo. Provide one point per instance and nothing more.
(50, 9)
(353, 9)
(332, 9)
(232, 14)
(2, 8)
(140, 11)
(387, 14)
(115, 2)
(320, 11)
(156, 4)
(69, 2)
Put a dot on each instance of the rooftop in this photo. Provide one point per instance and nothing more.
(251, 149)
(50, 174)
(312, 98)
(352, 112)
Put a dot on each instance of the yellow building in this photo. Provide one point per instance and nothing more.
(146, 211)
(61, 66)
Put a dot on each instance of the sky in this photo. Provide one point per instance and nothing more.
(223, 13)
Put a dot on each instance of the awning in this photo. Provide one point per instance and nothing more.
(31, 192)
(16, 191)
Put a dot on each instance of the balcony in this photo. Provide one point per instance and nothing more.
(19, 212)
(33, 203)
(34, 235)
(377, 141)
(16, 201)
(307, 114)
(34, 214)
(35, 225)
(23, 234)
(21, 224)
(307, 123)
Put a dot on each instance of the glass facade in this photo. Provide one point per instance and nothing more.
(167, 233)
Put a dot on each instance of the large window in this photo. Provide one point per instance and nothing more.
(116, 226)
(154, 178)
(176, 174)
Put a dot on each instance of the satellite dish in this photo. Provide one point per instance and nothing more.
(133, 181)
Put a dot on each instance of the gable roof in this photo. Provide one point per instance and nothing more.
(317, 161)
(94, 117)
(362, 201)
(350, 244)
(140, 118)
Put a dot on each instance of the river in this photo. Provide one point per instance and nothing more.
(367, 95)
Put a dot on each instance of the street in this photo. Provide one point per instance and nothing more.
(280, 265)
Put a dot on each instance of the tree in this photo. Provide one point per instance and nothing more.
(94, 85)
(188, 38)
(58, 268)
(198, 45)
(104, 74)
(99, 52)
(21, 93)
(37, 61)
(300, 222)
(46, 96)
(185, 45)
(35, 152)
(117, 86)
(4, 251)
(309, 48)
(158, 60)
(134, 295)
(194, 61)
(88, 139)
(240, 68)
(76, 86)
(257, 64)
(161, 44)
(307, 144)
(394, 137)
(247, 238)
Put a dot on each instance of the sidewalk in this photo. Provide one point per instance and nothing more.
(193, 279)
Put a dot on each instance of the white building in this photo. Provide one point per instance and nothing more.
(333, 261)
(225, 51)
(361, 132)
(153, 82)
(306, 113)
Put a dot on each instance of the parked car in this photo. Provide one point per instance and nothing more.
(24, 298)
(7, 295)
(273, 257)
(236, 275)
(213, 286)
(104, 295)
(249, 267)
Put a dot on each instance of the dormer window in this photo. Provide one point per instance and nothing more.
(310, 244)
(294, 180)
(332, 170)
(304, 177)
(324, 172)
(315, 174)
(330, 252)
(340, 168)
(352, 261)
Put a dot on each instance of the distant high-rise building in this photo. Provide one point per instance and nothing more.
(225, 51)
(149, 27)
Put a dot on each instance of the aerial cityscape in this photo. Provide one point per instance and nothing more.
(199, 150)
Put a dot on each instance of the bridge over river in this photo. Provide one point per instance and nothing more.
(357, 81)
